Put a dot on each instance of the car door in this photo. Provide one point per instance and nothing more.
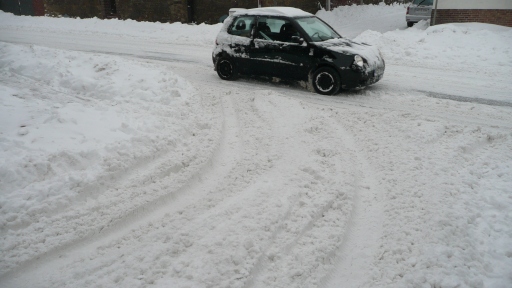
(240, 41)
(261, 56)
(276, 50)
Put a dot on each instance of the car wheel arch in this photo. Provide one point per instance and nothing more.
(321, 65)
(229, 72)
(325, 80)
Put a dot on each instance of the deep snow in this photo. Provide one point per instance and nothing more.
(119, 170)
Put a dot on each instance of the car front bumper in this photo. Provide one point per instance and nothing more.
(351, 78)
(416, 18)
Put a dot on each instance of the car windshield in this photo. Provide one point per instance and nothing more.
(317, 30)
(423, 2)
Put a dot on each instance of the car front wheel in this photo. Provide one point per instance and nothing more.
(226, 69)
(326, 81)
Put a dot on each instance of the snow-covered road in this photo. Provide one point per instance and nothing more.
(189, 181)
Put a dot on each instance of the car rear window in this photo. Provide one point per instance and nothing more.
(423, 2)
(242, 26)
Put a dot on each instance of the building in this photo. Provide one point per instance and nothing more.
(185, 11)
(497, 12)
(23, 7)
(166, 11)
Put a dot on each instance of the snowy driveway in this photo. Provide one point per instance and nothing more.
(198, 182)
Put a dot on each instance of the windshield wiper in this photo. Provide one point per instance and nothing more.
(421, 2)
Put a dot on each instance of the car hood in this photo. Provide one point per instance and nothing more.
(348, 47)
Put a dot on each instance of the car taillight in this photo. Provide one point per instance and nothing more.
(407, 10)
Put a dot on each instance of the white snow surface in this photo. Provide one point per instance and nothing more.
(126, 162)
(351, 21)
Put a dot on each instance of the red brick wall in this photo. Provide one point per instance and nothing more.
(38, 8)
(210, 11)
(336, 3)
(153, 10)
(75, 8)
(491, 16)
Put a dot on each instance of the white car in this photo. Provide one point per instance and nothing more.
(418, 10)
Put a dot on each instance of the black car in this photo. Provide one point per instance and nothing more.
(289, 43)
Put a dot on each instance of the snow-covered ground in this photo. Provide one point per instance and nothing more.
(126, 162)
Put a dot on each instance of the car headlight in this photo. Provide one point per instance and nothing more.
(358, 60)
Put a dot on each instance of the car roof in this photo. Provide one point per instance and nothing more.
(275, 11)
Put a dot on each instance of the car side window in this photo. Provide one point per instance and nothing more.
(423, 2)
(275, 29)
(242, 26)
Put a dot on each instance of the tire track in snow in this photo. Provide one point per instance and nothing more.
(217, 167)
(301, 248)
(354, 258)
(140, 178)
(370, 99)
(277, 245)
(191, 233)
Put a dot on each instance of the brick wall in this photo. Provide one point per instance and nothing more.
(23, 7)
(153, 10)
(75, 8)
(38, 7)
(210, 11)
(306, 5)
(10, 6)
(492, 16)
(205, 11)
(336, 3)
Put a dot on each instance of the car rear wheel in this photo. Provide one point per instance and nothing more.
(326, 81)
(226, 69)
(409, 24)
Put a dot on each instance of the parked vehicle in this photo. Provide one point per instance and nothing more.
(289, 43)
(418, 10)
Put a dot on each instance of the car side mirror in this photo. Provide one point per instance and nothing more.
(297, 39)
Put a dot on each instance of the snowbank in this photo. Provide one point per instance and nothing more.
(202, 35)
(351, 21)
(71, 124)
(446, 46)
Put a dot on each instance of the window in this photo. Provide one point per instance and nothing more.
(423, 2)
(317, 30)
(242, 26)
(275, 29)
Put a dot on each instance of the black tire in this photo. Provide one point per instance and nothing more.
(326, 81)
(409, 24)
(226, 69)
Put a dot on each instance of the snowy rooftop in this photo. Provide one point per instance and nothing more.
(275, 11)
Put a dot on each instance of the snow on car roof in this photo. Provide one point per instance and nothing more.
(275, 11)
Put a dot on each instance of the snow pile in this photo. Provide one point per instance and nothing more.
(445, 46)
(446, 227)
(202, 35)
(351, 21)
(71, 124)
